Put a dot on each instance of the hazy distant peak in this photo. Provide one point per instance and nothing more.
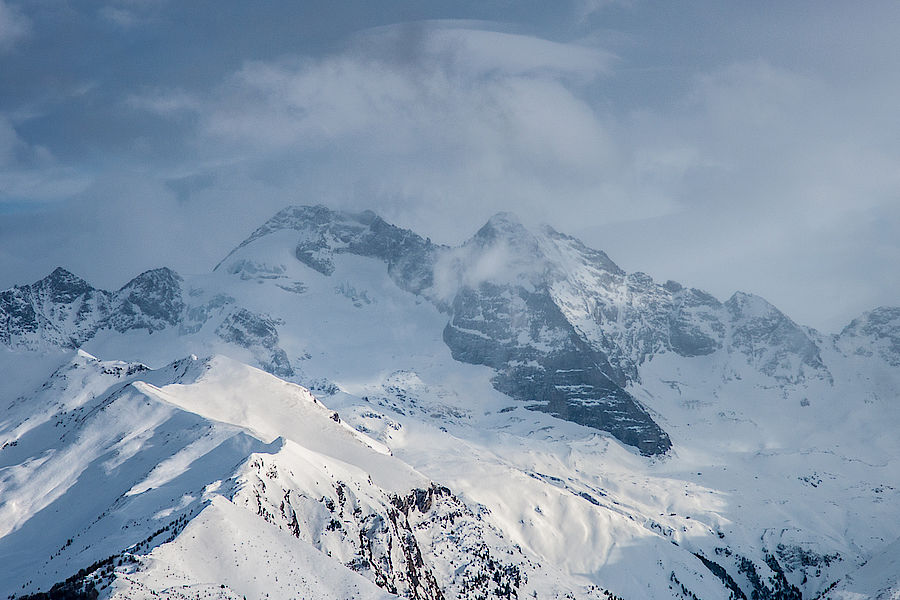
(875, 332)
(59, 273)
(62, 285)
(154, 279)
(597, 258)
(505, 231)
(881, 322)
(502, 224)
(318, 214)
(505, 218)
(745, 303)
(314, 220)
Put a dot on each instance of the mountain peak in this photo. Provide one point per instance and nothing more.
(874, 332)
(505, 218)
(313, 219)
(152, 300)
(60, 272)
(878, 318)
(317, 213)
(299, 216)
(750, 305)
(597, 258)
(502, 224)
(505, 229)
(63, 285)
(881, 322)
(62, 275)
(154, 278)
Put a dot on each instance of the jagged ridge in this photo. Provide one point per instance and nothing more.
(565, 329)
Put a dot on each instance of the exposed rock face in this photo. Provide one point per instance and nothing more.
(64, 310)
(258, 334)
(540, 359)
(565, 329)
(695, 324)
(324, 233)
(506, 315)
(875, 333)
(426, 544)
(773, 343)
(61, 309)
(503, 314)
(152, 301)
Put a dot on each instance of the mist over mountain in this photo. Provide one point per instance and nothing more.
(343, 408)
(758, 156)
(471, 300)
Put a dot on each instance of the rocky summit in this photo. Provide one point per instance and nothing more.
(563, 327)
(513, 417)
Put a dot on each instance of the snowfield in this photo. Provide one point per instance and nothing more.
(343, 410)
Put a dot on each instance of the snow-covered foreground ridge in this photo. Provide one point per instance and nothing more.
(514, 417)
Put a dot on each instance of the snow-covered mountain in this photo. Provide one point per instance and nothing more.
(514, 417)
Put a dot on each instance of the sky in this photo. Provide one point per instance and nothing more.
(749, 146)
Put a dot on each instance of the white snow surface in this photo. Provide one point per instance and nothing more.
(100, 454)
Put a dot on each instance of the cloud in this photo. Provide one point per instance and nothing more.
(127, 14)
(164, 102)
(457, 47)
(121, 17)
(584, 9)
(757, 138)
(395, 85)
(420, 118)
(30, 173)
(747, 159)
(782, 173)
(14, 26)
(439, 125)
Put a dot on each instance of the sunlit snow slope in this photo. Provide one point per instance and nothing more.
(511, 417)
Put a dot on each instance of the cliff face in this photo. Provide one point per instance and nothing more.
(582, 429)
(564, 328)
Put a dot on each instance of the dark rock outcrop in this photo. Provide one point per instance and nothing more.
(565, 329)
(874, 333)
(258, 334)
(151, 301)
(325, 233)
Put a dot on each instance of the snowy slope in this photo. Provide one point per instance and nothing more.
(212, 477)
(591, 427)
(225, 553)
